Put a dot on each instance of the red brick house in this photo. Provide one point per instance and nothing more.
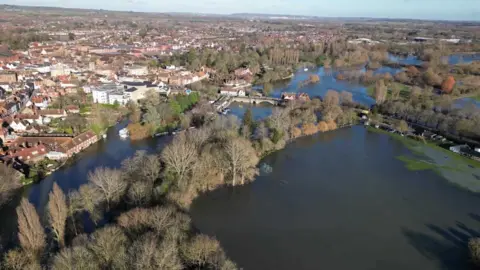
(78, 143)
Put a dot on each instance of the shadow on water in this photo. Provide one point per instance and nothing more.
(448, 246)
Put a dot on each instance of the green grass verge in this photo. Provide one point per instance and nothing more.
(413, 164)
(415, 146)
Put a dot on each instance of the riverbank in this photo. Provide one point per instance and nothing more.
(456, 169)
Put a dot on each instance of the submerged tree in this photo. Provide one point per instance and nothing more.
(109, 183)
(241, 158)
(179, 157)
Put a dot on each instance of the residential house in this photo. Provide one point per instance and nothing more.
(242, 72)
(78, 143)
(12, 107)
(30, 155)
(289, 96)
(40, 102)
(19, 125)
(31, 118)
(8, 77)
(303, 97)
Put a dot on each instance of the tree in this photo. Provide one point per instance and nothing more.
(309, 128)
(109, 247)
(432, 78)
(448, 84)
(402, 126)
(474, 248)
(17, 259)
(71, 36)
(58, 212)
(267, 88)
(314, 78)
(204, 252)
(150, 253)
(8, 183)
(248, 120)
(30, 230)
(134, 112)
(77, 257)
(109, 183)
(179, 156)
(331, 98)
(395, 91)
(241, 158)
(143, 32)
(380, 92)
(346, 97)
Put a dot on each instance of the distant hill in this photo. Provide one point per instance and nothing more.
(258, 16)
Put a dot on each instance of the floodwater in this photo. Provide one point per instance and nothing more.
(328, 81)
(342, 200)
(107, 153)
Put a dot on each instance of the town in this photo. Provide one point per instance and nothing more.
(153, 140)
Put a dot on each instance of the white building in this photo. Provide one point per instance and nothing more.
(137, 71)
(101, 94)
(117, 97)
(232, 92)
(59, 70)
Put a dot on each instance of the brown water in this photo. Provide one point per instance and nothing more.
(341, 200)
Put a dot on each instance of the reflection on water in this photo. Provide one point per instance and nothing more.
(334, 197)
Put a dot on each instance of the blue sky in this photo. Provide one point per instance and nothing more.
(418, 9)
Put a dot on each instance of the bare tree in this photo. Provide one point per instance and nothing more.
(179, 157)
(280, 119)
(8, 183)
(332, 98)
(140, 193)
(204, 251)
(346, 97)
(20, 260)
(241, 158)
(199, 137)
(30, 230)
(78, 257)
(58, 212)
(151, 167)
(149, 252)
(110, 183)
(380, 92)
(159, 219)
(109, 247)
(88, 199)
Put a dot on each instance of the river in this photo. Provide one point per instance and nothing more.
(341, 200)
(108, 153)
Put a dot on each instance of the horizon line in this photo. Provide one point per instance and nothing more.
(249, 14)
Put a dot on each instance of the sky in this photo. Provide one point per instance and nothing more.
(414, 9)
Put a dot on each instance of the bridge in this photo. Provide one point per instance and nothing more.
(257, 100)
